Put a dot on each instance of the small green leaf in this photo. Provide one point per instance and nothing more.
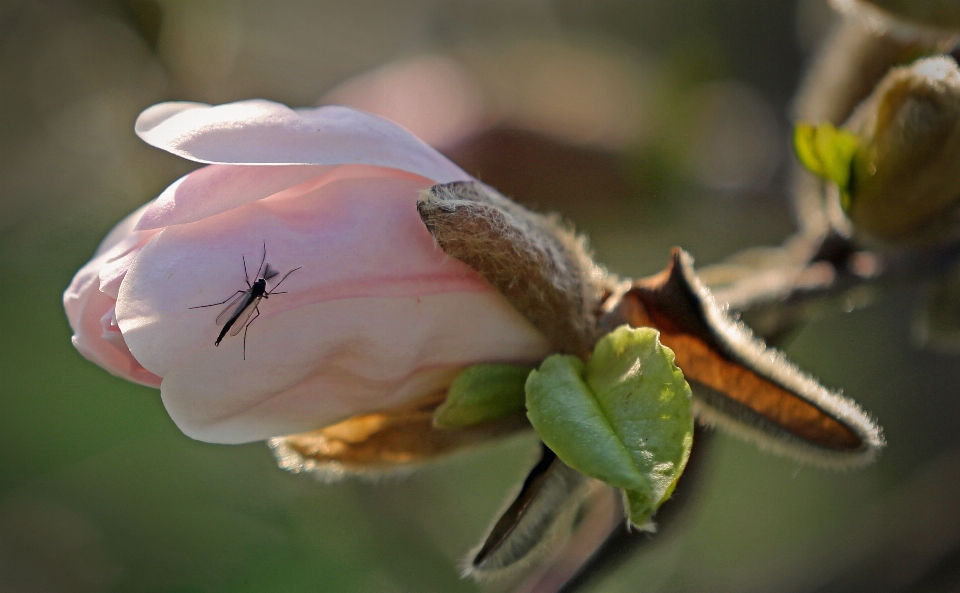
(624, 417)
(571, 421)
(828, 153)
(482, 393)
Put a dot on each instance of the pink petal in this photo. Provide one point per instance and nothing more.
(122, 231)
(77, 295)
(352, 237)
(217, 188)
(116, 260)
(262, 132)
(316, 365)
(86, 308)
(373, 287)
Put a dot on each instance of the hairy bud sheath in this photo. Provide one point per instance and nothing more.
(538, 264)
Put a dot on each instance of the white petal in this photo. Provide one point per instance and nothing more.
(263, 132)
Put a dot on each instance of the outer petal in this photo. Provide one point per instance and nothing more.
(123, 230)
(116, 260)
(98, 339)
(263, 132)
(91, 312)
(366, 260)
(218, 188)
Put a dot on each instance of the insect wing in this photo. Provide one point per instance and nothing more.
(233, 308)
(243, 315)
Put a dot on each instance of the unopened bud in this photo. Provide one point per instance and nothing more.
(905, 182)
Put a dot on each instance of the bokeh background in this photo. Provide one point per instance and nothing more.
(649, 124)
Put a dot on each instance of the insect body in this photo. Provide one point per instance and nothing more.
(239, 312)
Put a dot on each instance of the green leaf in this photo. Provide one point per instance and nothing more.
(482, 393)
(571, 421)
(828, 153)
(624, 417)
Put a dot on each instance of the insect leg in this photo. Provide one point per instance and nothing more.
(245, 328)
(220, 303)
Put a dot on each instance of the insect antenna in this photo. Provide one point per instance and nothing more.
(246, 276)
(263, 260)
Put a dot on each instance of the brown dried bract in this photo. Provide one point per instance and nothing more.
(738, 382)
(373, 444)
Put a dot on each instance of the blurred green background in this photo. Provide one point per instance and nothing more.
(689, 146)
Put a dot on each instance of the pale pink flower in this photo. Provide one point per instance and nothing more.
(376, 317)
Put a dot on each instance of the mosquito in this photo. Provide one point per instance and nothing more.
(244, 303)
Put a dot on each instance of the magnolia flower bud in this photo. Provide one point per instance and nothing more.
(905, 182)
(374, 317)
